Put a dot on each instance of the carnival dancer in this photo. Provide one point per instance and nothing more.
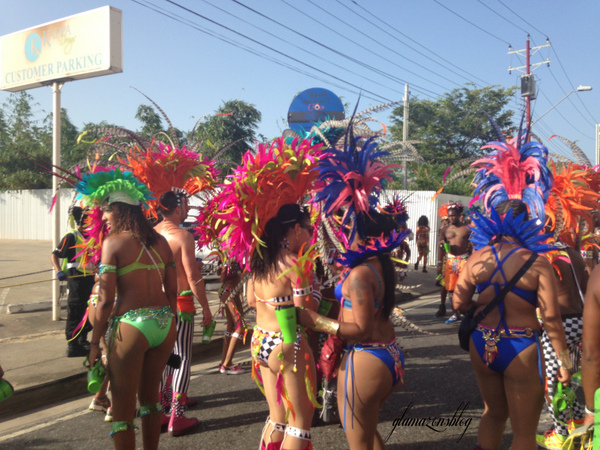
(570, 203)
(455, 248)
(138, 263)
(100, 402)
(79, 283)
(504, 346)
(173, 174)
(268, 231)
(439, 280)
(236, 326)
(373, 366)
(422, 236)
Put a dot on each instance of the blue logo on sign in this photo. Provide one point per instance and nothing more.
(33, 46)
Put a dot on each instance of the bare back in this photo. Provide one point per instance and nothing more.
(139, 288)
(177, 238)
(267, 289)
(365, 287)
(518, 312)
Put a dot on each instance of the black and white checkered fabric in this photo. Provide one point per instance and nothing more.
(573, 331)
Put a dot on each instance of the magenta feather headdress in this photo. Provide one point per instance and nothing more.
(278, 173)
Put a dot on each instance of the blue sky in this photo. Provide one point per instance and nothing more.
(433, 45)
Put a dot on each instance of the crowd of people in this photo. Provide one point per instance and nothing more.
(295, 215)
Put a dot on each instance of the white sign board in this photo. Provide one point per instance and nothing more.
(85, 45)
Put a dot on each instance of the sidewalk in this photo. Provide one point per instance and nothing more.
(33, 346)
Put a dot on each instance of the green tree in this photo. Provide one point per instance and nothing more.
(451, 129)
(23, 145)
(235, 122)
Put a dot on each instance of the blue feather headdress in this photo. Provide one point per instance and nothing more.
(486, 230)
(353, 258)
(353, 179)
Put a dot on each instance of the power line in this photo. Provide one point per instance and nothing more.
(473, 24)
(504, 18)
(237, 44)
(342, 54)
(274, 50)
(532, 26)
(421, 45)
(299, 47)
(380, 43)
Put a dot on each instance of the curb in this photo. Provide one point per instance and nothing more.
(73, 386)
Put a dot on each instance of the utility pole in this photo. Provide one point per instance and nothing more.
(405, 134)
(528, 88)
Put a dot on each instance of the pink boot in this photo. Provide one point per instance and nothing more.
(272, 446)
(178, 423)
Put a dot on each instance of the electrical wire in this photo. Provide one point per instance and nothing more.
(485, 83)
(238, 44)
(214, 22)
(302, 48)
(343, 54)
(474, 24)
(502, 17)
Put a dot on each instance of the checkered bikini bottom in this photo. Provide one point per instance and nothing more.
(263, 343)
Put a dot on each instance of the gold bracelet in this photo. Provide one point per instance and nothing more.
(563, 359)
(326, 325)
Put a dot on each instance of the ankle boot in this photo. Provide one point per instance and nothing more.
(416, 266)
(178, 423)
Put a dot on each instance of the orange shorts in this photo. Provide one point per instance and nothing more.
(454, 264)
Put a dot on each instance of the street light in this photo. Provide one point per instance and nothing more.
(579, 89)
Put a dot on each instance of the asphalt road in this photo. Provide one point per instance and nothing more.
(439, 385)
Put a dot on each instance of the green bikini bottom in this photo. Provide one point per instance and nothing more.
(154, 324)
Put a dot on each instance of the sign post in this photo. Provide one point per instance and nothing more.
(85, 45)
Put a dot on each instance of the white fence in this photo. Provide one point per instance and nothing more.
(25, 214)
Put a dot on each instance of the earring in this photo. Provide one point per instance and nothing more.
(284, 243)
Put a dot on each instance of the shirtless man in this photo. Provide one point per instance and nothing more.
(455, 245)
(174, 210)
(572, 282)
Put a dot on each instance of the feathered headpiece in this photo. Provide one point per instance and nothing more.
(164, 168)
(515, 172)
(443, 212)
(278, 173)
(396, 208)
(353, 180)
(570, 200)
(512, 172)
(527, 232)
(112, 186)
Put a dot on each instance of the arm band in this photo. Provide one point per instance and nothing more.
(317, 296)
(589, 411)
(302, 291)
(106, 268)
(327, 325)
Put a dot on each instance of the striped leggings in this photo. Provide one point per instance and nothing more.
(183, 348)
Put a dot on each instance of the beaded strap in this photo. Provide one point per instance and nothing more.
(117, 427)
(150, 409)
(106, 268)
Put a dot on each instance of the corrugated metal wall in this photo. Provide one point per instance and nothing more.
(418, 203)
(25, 214)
